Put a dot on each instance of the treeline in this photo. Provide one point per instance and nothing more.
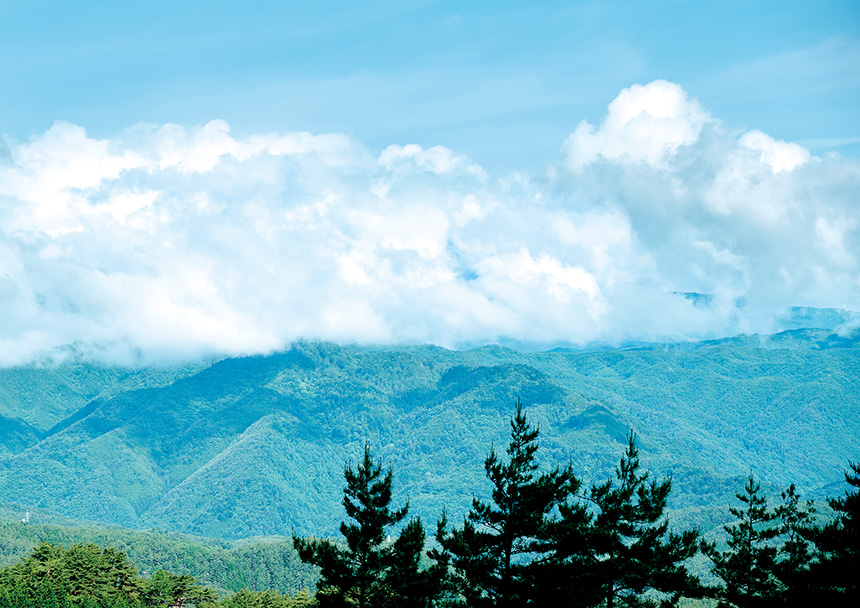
(544, 538)
(547, 539)
(86, 575)
(226, 566)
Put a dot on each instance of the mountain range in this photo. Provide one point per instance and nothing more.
(241, 447)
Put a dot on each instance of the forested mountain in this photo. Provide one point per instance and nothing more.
(237, 447)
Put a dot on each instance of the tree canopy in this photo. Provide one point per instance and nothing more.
(371, 571)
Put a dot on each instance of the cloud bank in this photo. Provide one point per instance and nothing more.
(175, 242)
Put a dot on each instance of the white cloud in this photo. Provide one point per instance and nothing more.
(830, 238)
(644, 124)
(778, 155)
(519, 272)
(175, 241)
(438, 160)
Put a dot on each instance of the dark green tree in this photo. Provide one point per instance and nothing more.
(796, 552)
(747, 566)
(409, 584)
(371, 572)
(85, 575)
(495, 554)
(567, 577)
(43, 595)
(835, 574)
(83, 572)
(266, 599)
(168, 590)
(627, 548)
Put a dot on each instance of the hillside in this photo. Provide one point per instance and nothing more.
(269, 563)
(235, 448)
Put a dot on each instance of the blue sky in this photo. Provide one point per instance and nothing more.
(503, 82)
(178, 179)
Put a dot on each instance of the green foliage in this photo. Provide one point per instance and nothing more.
(783, 556)
(259, 565)
(794, 556)
(770, 558)
(834, 575)
(370, 572)
(747, 567)
(83, 572)
(167, 589)
(631, 550)
(267, 599)
(236, 448)
(89, 576)
(541, 543)
(409, 582)
(495, 551)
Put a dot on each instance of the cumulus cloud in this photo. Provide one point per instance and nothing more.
(172, 241)
(644, 124)
(778, 155)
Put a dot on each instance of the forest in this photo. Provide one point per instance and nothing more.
(544, 538)
(245, 447)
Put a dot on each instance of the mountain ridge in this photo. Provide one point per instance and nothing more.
(256, 445)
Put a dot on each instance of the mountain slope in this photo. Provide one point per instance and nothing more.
(256, 445)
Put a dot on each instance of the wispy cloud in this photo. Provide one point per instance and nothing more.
(171, 241)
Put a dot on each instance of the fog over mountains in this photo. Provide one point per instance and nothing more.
(236, 447)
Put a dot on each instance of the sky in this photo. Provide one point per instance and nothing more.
(180, 179)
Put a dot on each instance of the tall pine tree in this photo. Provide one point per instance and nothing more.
(747, 566)
(502, 541)
(796, 552)
(628, 548)
(835, 575)
(370, 572)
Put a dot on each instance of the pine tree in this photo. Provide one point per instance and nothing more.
(630, 548)
(747, 567)
(795, 554)
(501, 542)
(409, 584)
(567, 577)
(82, 573)
(369, 573)
(835, 575)
(176, 590)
